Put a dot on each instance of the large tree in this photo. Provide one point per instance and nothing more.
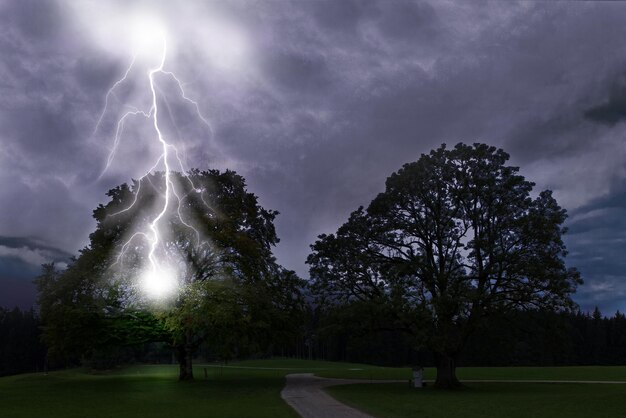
(456, 237)
(214, 251)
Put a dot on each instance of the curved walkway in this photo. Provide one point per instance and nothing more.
(303, 392)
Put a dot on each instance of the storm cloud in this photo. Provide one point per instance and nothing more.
(316, 103)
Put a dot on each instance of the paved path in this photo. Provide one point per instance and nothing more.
(304, 393)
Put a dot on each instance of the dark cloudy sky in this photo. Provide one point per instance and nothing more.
(315, 103)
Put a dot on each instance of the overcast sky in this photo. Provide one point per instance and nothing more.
(315, 103)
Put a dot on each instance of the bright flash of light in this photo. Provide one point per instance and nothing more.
(159, 283)
(149, 40)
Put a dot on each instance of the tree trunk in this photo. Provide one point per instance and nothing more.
(185, 357)
(446, 371)
(184, 363)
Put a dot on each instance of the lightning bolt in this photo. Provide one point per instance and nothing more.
(153, 235)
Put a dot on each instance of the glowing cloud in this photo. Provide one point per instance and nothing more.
(147, 36)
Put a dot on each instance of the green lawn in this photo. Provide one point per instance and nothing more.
(144, 391)
(488, 399)
(612, 373)
(392, 400)
(252, 388)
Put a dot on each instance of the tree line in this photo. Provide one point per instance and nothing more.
(524, 339)
(456, 242)
(21, 346)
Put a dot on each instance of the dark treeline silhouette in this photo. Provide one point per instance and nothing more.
(550, 339)
(524, 338)
(21, 349)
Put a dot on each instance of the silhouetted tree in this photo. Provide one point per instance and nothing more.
(454, 239)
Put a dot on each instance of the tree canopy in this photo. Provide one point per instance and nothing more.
(456, 237)
(212, 234)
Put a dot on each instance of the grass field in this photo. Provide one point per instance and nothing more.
(144, 391)
(612, 373)
(252, 389)
(487, 400)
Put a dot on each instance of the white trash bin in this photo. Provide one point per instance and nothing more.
(418, 373)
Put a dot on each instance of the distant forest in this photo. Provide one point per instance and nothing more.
(21, 347)
(524, 339)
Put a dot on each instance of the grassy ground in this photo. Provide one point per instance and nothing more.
(612, 373)
(252, 388)
(487, 400)
(144, 391)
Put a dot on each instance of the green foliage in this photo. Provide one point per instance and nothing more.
(71, 312)
(218, 238)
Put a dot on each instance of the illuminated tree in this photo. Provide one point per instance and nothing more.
(212, 265)
(454, 239)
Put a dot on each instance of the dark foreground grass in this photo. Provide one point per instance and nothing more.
(570, 400)
(144, 391)
(252, 389)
